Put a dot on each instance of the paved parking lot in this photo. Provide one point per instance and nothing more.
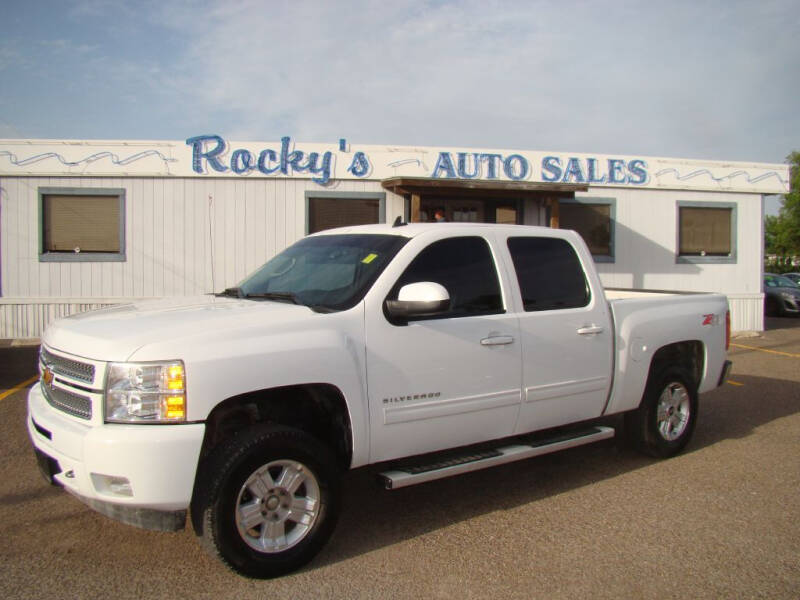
(719, 521)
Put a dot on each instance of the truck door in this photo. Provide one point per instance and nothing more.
(449, 380)
(566, 334)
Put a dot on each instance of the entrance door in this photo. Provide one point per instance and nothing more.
(506, 213)
(451, 380)
(471, 210)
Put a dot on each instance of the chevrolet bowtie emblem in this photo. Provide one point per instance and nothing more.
(47, 376)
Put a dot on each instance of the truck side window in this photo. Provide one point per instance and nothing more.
(549, 272)
(465, 267)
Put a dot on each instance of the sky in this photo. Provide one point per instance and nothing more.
(697, 79)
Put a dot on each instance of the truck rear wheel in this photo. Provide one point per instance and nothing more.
(267, 501)
(664, 422)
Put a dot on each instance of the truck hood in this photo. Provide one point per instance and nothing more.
(115, 333)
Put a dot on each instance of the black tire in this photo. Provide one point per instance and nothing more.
(665, 420)
(293, 490)
(772, 308)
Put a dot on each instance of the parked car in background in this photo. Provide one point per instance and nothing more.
(793, 276)
(782, 295)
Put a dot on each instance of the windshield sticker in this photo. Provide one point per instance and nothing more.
(369, 258)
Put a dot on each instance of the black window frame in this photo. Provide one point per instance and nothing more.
(524, 286)
(451, 313)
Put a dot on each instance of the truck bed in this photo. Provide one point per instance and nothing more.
(645, 320)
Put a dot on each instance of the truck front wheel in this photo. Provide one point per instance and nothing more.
(267, 501)
(664, 422)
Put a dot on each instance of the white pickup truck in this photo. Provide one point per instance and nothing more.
(434, 349)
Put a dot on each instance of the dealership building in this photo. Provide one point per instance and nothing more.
(87, 224)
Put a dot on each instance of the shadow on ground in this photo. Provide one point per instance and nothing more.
(373, 518)
(771, 323)
(17, 365)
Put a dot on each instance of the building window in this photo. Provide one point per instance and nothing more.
(81, 224)
(326, 210)
(706, 232)
(593, 219)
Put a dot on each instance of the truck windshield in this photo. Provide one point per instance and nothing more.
(327, 273)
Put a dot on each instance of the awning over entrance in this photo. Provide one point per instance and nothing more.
(504, 197)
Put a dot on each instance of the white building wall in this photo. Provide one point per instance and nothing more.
(645, 248)
(188, 236)
(183, 237)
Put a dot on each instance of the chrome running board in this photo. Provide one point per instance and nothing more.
(473, 461)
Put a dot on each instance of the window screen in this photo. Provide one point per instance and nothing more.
(80, 223)
(327, 213)
(549, 272)
(591, 221)
(705, 231)
(465, 267)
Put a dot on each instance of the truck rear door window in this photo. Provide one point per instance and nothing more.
(465, 267)
(549, 272)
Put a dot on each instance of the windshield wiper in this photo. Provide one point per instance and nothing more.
(279, 296)
(234, 292)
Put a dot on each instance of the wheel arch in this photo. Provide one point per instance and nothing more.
(690, 356)
(319, 409)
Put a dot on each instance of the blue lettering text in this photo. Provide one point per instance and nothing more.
(518, 172)
(267, 155)
(241, 161)
(574, 170)
(616, 171)
(462, 165)
(593, 178)
(360, 165)
(324, 170)
(444, 163)
(638, 171)
(290, 159)
(491, 164)
(199, 153)
(551, 168)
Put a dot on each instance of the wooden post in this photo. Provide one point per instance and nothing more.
(554, 213)
(415, 208)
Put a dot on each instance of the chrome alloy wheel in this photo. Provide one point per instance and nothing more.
(277, 506)
(673, 411)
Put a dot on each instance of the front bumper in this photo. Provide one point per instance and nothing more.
(790, 305)
(142, 475)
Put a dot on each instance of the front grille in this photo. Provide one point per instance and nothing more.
(72, 404)
(67, 367)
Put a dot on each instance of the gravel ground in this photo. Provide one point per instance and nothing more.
(600, 521)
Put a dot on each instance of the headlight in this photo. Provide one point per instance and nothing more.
(145, 393)
(788, 295)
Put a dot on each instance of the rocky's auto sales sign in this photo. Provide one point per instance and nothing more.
(211, 155)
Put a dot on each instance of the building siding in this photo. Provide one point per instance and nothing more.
(183, 236)
(646, 244)
(188, 236)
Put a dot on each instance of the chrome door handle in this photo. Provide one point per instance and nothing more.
(590, 330)
(497, 340)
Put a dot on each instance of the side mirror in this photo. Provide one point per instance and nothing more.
(422, 299)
